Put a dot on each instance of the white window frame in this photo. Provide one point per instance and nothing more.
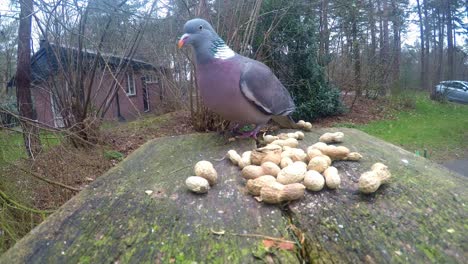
(57, 116)
(130, 77)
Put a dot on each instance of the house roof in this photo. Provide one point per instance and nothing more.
(51, 57)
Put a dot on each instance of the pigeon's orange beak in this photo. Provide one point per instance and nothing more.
(182, 40)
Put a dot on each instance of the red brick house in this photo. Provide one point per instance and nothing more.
(140, 85)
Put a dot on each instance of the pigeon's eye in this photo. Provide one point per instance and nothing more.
(200, 27)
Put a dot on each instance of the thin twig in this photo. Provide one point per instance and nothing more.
(265, 237)
(22, 207)
(179, 169)
(35, 175)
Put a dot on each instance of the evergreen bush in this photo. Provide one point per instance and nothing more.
(293, 49)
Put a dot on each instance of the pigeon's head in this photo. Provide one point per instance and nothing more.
(197, 32)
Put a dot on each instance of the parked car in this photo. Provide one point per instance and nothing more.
(456, 91)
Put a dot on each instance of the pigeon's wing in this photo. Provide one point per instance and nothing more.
(260, 86)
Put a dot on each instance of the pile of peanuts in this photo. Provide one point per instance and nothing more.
(280, 171)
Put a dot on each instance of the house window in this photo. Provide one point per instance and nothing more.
(130, 84)
(151, 78)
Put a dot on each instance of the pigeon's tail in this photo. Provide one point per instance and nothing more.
(285, 121)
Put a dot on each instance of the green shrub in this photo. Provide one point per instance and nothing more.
(114, 155)
(439, 97)
(316, 102)
(298, 67)
(403, 99)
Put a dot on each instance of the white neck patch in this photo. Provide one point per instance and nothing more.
(224, 52)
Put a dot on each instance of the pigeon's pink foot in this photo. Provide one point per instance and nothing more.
(250, 134)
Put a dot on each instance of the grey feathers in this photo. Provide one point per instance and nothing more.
(259, 85)
(236, 87)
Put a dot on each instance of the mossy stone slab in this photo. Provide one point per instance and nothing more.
(419, 217)
(115, 221)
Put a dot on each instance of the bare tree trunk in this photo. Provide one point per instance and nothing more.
(371, 82)
(356, 53)
(31, 138)
(428, 42)
(423, 79)
(384, 48)
(440, 49)
(385, 30)
(396, 44)
(450, 47)
(372, 30)
(324, 34)
(78, 111)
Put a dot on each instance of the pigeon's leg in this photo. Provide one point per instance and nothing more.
(235, 128)
(240, 129)
(253, 133)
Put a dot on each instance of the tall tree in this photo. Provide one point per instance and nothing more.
(423, 50)
(450, 46)
(32, 141)
(427, 36)
(372, 48)
(396, 46)
(372, 27)
(384, 46)
(440, 45)
(324, 34)
(356, 47)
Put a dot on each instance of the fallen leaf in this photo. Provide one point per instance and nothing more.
(286, 246)
(268, 243)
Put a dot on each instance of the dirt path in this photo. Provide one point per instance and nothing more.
(460, 166)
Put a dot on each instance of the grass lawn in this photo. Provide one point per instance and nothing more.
(14, 221)
(12, 148)
(439, 128)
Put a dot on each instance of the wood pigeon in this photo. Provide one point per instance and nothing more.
(236, 87)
